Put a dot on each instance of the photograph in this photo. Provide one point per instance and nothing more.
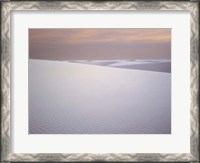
(99, 81)
(92, 82)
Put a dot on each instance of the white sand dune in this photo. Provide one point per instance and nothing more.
(161, 65)
(151, 66)
(73, 98)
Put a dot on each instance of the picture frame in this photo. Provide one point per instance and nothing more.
(6, 131)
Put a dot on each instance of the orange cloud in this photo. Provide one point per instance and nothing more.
(100, 35)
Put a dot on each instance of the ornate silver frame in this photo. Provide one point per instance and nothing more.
(8, 156)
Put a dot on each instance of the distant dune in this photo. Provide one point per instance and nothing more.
(77, 98)
(148, 65)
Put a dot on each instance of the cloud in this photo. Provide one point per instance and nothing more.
(101, 35)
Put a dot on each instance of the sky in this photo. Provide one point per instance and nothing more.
(100, 43)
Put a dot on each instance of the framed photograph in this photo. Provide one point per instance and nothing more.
(100, 81)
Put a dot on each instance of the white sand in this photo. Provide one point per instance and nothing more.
(72, 98)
